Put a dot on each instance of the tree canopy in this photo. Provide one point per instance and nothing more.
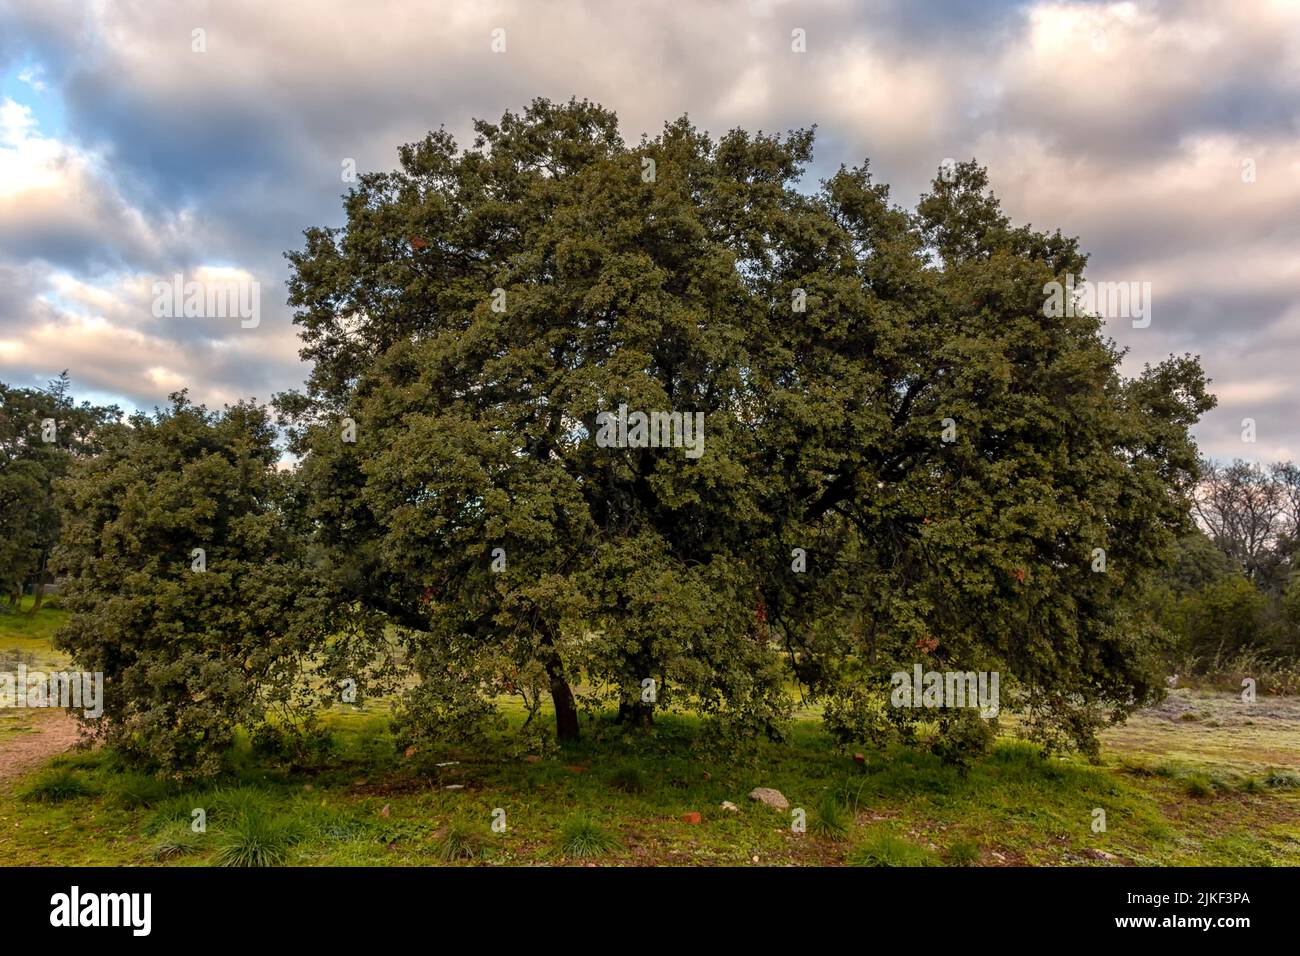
(905, 459)
(41, 431)
(187, 583)
(897, 456)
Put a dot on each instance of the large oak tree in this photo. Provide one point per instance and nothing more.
(881, 388)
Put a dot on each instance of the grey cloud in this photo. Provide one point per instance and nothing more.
(247, 139)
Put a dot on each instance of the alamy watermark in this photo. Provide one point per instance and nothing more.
(130, 910)
(934, 689)
(217, 296)
(66, 689)
(1110, 300)
(651, 430)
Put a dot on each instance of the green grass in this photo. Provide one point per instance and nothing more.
(32, 632)
(175, 841)
(582, 838)
(26, 640)
(629, 778)
(177, 810)
(829, 819)
(620, 799)
(1282, 780)
(461, 842)
(257, 839)
(880, 847)
(628, 807)
(56, 786)
(141, 790)
(962, 853)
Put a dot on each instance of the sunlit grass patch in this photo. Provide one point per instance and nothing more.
(881, 847)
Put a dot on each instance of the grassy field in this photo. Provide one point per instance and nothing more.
(1202, 779)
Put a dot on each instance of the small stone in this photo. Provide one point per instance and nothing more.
(754, 860)
(1100, 855)
(773, 798)
(728, 805)
(692, 817)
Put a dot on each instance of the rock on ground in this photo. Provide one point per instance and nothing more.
(773, 798)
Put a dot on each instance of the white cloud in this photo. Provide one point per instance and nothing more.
(32, 77)
(58, 200)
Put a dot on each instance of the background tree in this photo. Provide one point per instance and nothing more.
(41, 432)
(1243, 509)
(1232, 588)
(186, 583)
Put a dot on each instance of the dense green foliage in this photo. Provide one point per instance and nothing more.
(905, 461)
(192, 645)
(1214, 610)
(881, 388)
(41, 431)
(1233, 587)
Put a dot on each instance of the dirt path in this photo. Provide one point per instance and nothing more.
(51, 734)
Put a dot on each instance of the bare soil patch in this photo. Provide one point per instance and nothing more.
(49, 735)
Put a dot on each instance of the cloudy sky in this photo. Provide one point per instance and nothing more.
(1165, 134)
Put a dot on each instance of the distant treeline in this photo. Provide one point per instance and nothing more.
(41, 432)
(1233, 588)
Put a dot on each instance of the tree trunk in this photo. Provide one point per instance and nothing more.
(635, 714)
(38, 592)
(566, 710)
